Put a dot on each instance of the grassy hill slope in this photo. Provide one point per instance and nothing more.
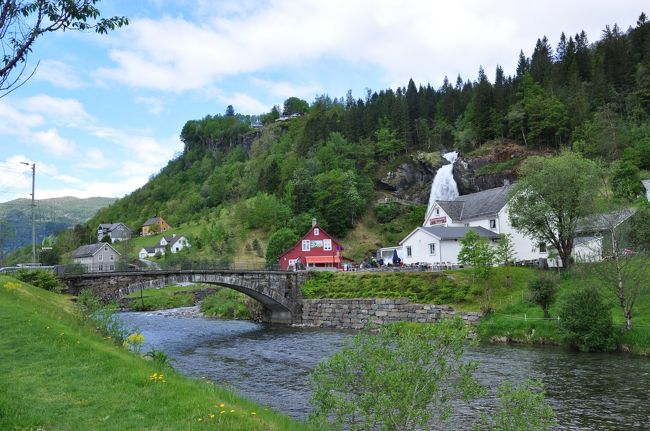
(56, 374)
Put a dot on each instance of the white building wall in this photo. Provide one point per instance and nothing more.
(419, 243)
(591, 251)
(526, 248)
(449, 250)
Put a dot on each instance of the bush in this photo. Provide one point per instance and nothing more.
(586, 321)
(386, 212)
(226, 304)
(542, 292)
(40, 278)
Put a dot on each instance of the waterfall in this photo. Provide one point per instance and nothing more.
(444, 186)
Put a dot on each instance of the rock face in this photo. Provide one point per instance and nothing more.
(411, 181)
(470, 179)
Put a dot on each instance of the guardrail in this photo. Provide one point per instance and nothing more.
(79, 269)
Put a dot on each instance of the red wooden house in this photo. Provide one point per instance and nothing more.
(317, 249)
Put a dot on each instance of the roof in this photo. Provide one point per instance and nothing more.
(152, 220)
(108, 227)
(171, 240)
(149, 249)
(603, 222)
(446, 233)
(89, 250)
(475, 205)
(585, 239)
(340, 247)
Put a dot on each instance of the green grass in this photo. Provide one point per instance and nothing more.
(495, 168)
(515, 319)
(455, 288)
(226, 304)
(57, 374)
(167, 297)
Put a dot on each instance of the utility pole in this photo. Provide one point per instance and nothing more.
(33, 211)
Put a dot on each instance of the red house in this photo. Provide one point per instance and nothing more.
(317, 249)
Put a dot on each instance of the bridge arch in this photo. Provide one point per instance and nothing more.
(278, 292)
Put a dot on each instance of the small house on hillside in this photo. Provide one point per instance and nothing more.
(316, 250)
(98, 257)
(115, 231)
(155, 224)
(173, 243)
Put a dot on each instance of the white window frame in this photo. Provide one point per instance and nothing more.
(316, 231)
(327, 244)
(493, 223)
(437, 211)
(432, 248)
(100, 257)
(408, 251)
(306, 245)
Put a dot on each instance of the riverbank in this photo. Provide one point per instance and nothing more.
(57, 373)
(512, 318)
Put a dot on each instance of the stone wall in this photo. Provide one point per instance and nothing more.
(357, 313)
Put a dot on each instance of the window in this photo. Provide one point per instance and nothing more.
(466, 224)
(408, 251)
(493, 224)
(101, 257)
(305, 245)
(327, 244)
(101, 267)
(316, 231)
(112, 257)
(432, 248)
(111, 268)
(105, 248)
(437, 211)
(542, 247)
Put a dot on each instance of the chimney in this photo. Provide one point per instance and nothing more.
(313, 222)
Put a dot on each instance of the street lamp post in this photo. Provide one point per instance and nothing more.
(33, 211)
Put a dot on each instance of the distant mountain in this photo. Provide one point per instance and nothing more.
(50, 216)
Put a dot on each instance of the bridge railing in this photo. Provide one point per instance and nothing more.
(79, 269)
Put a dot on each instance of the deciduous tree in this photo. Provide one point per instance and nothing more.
(552, 194)
(23, 22)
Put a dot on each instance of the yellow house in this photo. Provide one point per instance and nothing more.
(154, 225)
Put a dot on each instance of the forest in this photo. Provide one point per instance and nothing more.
(272, 173)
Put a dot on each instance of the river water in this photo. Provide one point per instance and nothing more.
(271, 366)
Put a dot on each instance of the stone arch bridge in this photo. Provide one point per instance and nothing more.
(278, 292)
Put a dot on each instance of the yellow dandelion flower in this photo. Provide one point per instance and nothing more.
(221, 405)
(222, 412)
(212, 415)
(232, 411)
(253, 413)
(200, 419)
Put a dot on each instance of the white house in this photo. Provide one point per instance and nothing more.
(175, 244)
(487, 209)
(432, 245)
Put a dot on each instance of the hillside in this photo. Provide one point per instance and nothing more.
(51, 216)
(337, 159)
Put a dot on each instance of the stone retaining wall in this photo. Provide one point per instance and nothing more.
(357, 313)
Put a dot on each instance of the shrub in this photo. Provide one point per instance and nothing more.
(226, 304)
(386, 212)
(586, 321)
(542, 292)
(40, 278)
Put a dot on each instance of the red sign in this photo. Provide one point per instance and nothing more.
(438, 220)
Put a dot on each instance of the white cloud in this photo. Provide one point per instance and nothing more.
(58, 74)
(284, 90)
(243, 103)
(68, 112)
(54, 143)
(15, 122)
(154, 105)
(15, 177)
(420, 39)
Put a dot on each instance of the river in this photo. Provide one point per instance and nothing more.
(271, 364)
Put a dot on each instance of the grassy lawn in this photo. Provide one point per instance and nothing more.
(455, 288)
(57, 374)
(167, 297)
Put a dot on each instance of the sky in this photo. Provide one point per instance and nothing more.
(103, 113)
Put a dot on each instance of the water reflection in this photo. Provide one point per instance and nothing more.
(271, 365)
